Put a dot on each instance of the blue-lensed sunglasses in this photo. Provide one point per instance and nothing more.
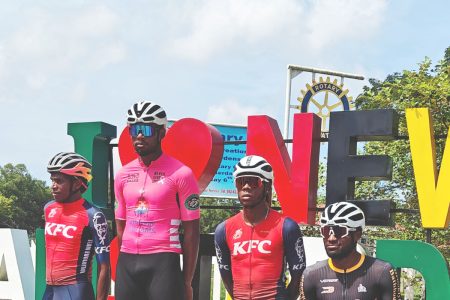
(145, 129)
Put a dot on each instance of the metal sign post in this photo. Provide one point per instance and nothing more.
(292, 72)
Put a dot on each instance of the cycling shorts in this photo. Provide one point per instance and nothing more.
(77, 291)
(149, 276)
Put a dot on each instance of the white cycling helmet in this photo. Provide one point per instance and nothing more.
(253, 165)
(344, 214)
(147, 112)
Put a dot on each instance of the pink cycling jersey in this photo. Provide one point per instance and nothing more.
(154, 200)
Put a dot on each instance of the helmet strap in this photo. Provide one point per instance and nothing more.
(72, 192)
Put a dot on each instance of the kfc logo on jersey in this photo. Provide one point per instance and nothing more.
(54, 229)
(237, 234)
(52, 213)
(100, 250)
(100, 226)
(247, 246)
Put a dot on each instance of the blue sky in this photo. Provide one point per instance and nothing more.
(215, 60)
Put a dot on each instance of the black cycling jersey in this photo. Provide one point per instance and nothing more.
(370, 279)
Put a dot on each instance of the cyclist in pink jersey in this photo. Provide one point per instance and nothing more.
(74, 231)
(155, 195)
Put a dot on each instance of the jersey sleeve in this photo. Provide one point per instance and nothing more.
(188, 195)
(293, 247)
(100, 233)
(120, 210)
(389, 284)
(223, 254)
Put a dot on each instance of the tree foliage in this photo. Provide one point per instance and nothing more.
(211, 217)
(22, 198)
(426, 87)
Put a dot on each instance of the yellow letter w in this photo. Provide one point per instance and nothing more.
(433, 191)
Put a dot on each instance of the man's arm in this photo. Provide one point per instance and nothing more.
(120, 210)
(223, 257)
(103, 281)
(100, 232)
(190, 252)
(120, 227)
(295, 255)
(389, 285)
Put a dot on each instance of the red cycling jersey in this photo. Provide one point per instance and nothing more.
(72, 232)
(254, 258)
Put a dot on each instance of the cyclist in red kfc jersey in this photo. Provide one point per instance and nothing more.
(255, 247)
(74, 230)
(347, 274)
(156, 194)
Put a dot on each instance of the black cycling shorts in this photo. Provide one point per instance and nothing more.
(149, 276)
(77, 291)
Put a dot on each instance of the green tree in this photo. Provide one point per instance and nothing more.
(22, 198)
(211, 217)
(426, 87)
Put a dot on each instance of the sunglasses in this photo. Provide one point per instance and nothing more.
(337, 231)
(253, 182)
(145, 129)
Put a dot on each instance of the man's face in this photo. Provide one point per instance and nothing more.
(340, 247)
(62, 186)
(250, 191)
(145, 144)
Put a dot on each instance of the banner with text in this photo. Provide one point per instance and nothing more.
(222, 184)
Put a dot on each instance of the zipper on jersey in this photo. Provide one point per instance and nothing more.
(344, 291)
(138, 227)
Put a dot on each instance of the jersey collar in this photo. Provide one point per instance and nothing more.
(336, 269)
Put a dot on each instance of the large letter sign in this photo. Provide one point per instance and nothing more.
(422, 257)
(433, 192)
(296, 183)
(344, 166)
(92, 141)
(15, 257)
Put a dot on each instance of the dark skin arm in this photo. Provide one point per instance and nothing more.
(103, 281)
(190, 253)
(120, 227)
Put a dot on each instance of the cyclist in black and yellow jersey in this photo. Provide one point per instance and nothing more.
(347, 274)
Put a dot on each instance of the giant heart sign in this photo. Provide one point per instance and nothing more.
(196, 144)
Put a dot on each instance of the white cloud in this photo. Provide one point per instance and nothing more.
(218, 24)
(232, 112)
(50, 44)
(334, 22)
(94, 22)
